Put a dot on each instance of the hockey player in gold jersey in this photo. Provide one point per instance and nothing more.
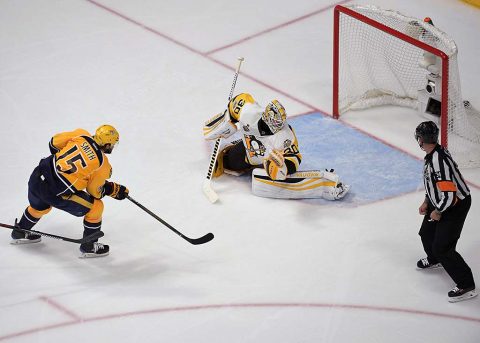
(269, 147)
(74, 179)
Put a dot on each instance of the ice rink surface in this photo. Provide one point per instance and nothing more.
(277, 270)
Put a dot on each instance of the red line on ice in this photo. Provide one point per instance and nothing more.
(197, 52)
(246, 305)
(280, 26)
(60, 308)
(266, 85)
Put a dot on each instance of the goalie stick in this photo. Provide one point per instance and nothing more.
(87, 239)
(201, 240)
(207, 184)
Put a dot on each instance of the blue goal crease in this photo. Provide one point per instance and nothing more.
(374, 170)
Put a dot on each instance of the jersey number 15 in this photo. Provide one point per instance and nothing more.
(66, 162)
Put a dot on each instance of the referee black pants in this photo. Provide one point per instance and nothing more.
(439, 239)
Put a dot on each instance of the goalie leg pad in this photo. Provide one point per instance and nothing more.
(300, 185)
(231, 160)
(316, 174)
(218, 170)
(235, 161)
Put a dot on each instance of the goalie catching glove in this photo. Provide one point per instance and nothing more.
(275, 165)
(115, 190)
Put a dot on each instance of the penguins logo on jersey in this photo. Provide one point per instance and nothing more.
(254, 146)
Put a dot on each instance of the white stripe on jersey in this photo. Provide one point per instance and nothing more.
(441, 167)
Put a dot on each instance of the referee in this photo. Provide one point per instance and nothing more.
(445, 208)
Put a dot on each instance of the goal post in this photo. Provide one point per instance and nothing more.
(381, 57)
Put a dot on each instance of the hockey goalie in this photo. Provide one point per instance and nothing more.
(269, 147)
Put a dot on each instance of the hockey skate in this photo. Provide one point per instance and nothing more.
(342, 190)
(337, 192)
(424, 263)
(94, 249)
(459, 294)
(22, 237)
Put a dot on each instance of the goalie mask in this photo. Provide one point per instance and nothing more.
(274, 116)
(426, 132)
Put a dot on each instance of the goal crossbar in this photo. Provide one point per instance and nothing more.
(338, 10)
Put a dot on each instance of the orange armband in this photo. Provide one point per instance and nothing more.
(446, 186)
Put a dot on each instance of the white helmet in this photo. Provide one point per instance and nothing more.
(274, 116)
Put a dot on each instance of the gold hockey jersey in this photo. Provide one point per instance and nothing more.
(79, 163)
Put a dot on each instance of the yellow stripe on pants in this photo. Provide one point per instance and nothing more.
(79, 200)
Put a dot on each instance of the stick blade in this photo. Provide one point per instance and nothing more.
(202, 240)
(209, 192)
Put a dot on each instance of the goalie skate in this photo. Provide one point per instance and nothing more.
(336, 193)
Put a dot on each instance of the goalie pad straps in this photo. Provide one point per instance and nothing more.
(299, 185)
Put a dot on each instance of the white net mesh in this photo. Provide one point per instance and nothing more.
(380, 68)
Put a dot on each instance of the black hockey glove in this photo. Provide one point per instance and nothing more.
(115, 190)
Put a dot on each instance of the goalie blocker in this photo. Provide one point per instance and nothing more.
(299, 185)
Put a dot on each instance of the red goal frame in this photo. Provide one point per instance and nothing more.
(342, 10)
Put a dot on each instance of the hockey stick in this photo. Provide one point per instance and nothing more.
(86, 239)
(201, 240)
(207, 186)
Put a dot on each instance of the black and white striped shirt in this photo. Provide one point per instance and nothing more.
(443, 181)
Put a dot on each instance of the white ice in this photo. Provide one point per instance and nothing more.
(277, 271)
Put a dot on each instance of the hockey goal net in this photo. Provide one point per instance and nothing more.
(382, 57)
